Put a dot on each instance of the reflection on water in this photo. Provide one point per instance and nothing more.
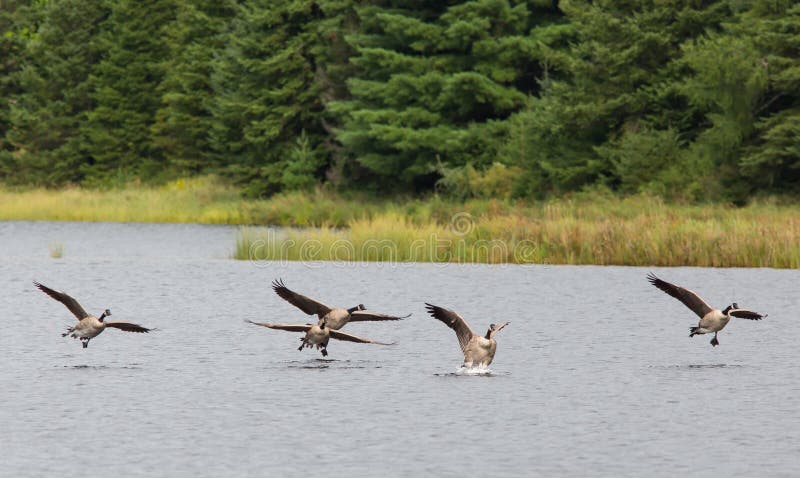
(590, 377)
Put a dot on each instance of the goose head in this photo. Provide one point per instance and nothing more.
(105, 314)
(729, 308)
(358, 307)
(493, 329)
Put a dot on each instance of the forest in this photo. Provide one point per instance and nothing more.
(689, 100)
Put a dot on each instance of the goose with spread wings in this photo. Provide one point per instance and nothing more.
(336, 317)
(316, 334)
(711, 319)
(88, 326)
(478, 350)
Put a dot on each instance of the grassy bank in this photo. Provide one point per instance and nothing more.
(634, 231)
(585, 229)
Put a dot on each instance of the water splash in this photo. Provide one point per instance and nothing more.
(476, 370)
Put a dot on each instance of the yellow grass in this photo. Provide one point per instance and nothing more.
(585, 229)
(635, 231)
(202, 200)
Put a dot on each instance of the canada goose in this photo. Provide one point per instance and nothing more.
(336, 317)
(88, 326)
(478, 350)
(711, 320)
(317, 334)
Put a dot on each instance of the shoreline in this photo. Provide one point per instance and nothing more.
(588, 229)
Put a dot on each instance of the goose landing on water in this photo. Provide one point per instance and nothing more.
(336, 317)
(316, 334)
(88, 326)
(478, 350)
(711, 320)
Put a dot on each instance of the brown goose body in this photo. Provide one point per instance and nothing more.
(711, 320)
(316, 335)
(478, 350)
(88, 326)
(335, 317)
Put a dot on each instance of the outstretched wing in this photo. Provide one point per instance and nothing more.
(335, 334)
(306, 304)
(289, 327)
(68, 301)
(366, 315)
(747, 314)
(128, 327)
(454, 321)
(689, 298)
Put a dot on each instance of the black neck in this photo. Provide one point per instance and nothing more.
(489, 334)
(353, 309)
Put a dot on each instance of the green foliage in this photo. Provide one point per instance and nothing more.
(17, 27)
(691, 100)
(185, 116)
(47, 114)
(496, 181)
(269, 91)
(434, 83)
(646, 161)
(615, 69)
(772, 159)
(124, 91)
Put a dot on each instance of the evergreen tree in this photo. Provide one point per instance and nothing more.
(55, 98)
(434, 83)
(772, 158)
(184, 120)
(17, 27)
(269, 109)
(125, 93)
(614, 92)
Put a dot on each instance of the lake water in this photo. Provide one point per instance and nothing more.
(596, 374)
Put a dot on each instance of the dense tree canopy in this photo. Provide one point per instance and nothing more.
(689, 99)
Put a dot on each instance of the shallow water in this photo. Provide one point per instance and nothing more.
(596, 374)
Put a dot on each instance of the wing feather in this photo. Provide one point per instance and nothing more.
(128, 327)
(454, 321)
(366, 315)
(289, 327)
(68, 301)
(689, 298)
(335, 334)
(306, 304)
(747, 314)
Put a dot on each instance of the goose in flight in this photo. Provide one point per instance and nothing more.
(336, 317)
(316, 334)
(88, 326)
(711, 320)
(478, 350)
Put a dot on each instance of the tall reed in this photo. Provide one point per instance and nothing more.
(637, 231)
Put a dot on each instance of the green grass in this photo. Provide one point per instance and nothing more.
(587, 228)
(204, 200)
(637, 231)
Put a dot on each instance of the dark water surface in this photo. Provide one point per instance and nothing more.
(595, 376)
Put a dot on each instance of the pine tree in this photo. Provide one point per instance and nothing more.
(125, 91)
(184, 119)
(17, 27)
(434, 83)
(55, 97)
(772, 158)
(614, 91)
(269, 88)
